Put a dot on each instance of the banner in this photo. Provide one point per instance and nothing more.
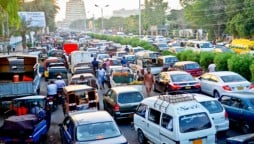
(33, 19)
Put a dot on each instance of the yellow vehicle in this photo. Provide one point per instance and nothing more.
(242, 45)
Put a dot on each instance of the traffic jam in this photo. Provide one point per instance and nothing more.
(91, 87)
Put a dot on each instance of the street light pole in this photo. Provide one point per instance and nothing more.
(139, 20)
(102, 24)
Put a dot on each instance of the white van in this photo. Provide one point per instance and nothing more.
(173, 119)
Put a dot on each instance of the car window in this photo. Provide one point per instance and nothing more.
(95, 131)
(232, 78)
(192, 66)
(206, 76)
(130, 97)
(170, 60)
(213, 78)
(194, 122)
(167, 122)
(182, 78)
(237, 103)
(212, 106)
(141, 110)
(154, 116)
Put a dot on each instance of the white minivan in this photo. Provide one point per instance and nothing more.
(173, 119)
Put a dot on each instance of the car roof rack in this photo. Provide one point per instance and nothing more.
(174, 97)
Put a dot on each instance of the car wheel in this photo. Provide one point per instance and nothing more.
(216, 94)
(141, 138)
(245, 128)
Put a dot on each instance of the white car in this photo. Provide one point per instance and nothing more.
(216, 111)
(217, 83)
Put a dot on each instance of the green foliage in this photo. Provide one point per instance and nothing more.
(205, 59)
(186, 55)
(221, 61)
(252, 71)
(240, 64)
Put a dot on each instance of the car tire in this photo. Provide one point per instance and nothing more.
(141, 137)
(246, 128)
(216, 94)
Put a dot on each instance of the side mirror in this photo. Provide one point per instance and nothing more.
(60, 125)
(104, 94)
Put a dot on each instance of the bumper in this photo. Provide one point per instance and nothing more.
(119, 115)
(222, 126)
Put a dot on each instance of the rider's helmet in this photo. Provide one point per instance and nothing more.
(59, 77)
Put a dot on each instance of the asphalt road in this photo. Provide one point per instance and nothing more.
(124, 125)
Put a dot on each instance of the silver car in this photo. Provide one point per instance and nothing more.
(217, 83)
(91, 126)
(216, 111)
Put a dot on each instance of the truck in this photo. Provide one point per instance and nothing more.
(70, 46)
(19, 76)
(123, 76)
(78, 57)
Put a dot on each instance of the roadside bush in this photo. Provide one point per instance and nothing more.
(241, 65)
(252, 71)
(221, 61)
(183, 56)
(165, 53)
(205, 59)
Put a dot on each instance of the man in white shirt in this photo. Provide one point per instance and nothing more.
(52, 89)
(211, 67)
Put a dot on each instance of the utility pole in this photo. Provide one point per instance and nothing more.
(102, 26)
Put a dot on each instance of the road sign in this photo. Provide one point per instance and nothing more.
(33, 19)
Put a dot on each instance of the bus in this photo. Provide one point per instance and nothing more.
(242, 45)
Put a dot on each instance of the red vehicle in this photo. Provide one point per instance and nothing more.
(189, 66)
(70, 47)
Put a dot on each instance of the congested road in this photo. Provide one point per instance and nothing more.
(124, 125)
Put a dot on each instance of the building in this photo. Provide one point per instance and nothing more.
(75, 10)
(125, 13)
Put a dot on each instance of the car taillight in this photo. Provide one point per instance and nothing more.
(175, 86)
(251, 86)
(226, 115)
(197, 85)
(226, 88)
(116, 107)
(142, 71)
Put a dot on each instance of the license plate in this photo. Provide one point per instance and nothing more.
(50, 103)
(240, 88)
(197, 141)
(187, 87)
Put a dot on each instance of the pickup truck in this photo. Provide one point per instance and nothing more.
(23, 126)
(19, 76)
(123, 76)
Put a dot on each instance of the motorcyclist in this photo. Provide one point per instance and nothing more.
(60, 85)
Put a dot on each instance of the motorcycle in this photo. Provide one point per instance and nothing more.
(52, 103)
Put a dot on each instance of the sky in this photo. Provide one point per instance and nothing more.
(108, 11)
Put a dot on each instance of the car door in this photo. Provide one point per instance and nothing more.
(140, 117)
(107, 100)
(213, 83)
(67, 130)
(204, 80)
(167, 131)
(235, 113)
(153, 125)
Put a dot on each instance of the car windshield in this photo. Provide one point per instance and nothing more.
(103, 56)
(179, 49)
(194, 122)
(206, 45)
(129, 97)
(162, 45)
(97, 131)
(116, 62)
(130, 57)
(192, 66)
(170, 60)
(232, 78)
(212, 106)
(182, 78)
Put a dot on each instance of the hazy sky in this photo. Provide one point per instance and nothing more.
(107, 11)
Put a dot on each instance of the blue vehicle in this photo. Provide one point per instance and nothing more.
(240, 109)
(19, 77)
(28, 120)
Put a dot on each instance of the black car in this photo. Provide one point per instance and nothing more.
(176, 81)
(121, 102)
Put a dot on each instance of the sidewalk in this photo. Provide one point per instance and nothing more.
(18, 49)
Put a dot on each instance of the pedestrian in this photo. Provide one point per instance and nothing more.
(107, 64)
(13, 48)
(95, 65)
(148, 81)
(211, 67)
(126, 49)
(124, 61)
(101, 74)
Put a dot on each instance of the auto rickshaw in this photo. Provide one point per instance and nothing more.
(80, 97)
